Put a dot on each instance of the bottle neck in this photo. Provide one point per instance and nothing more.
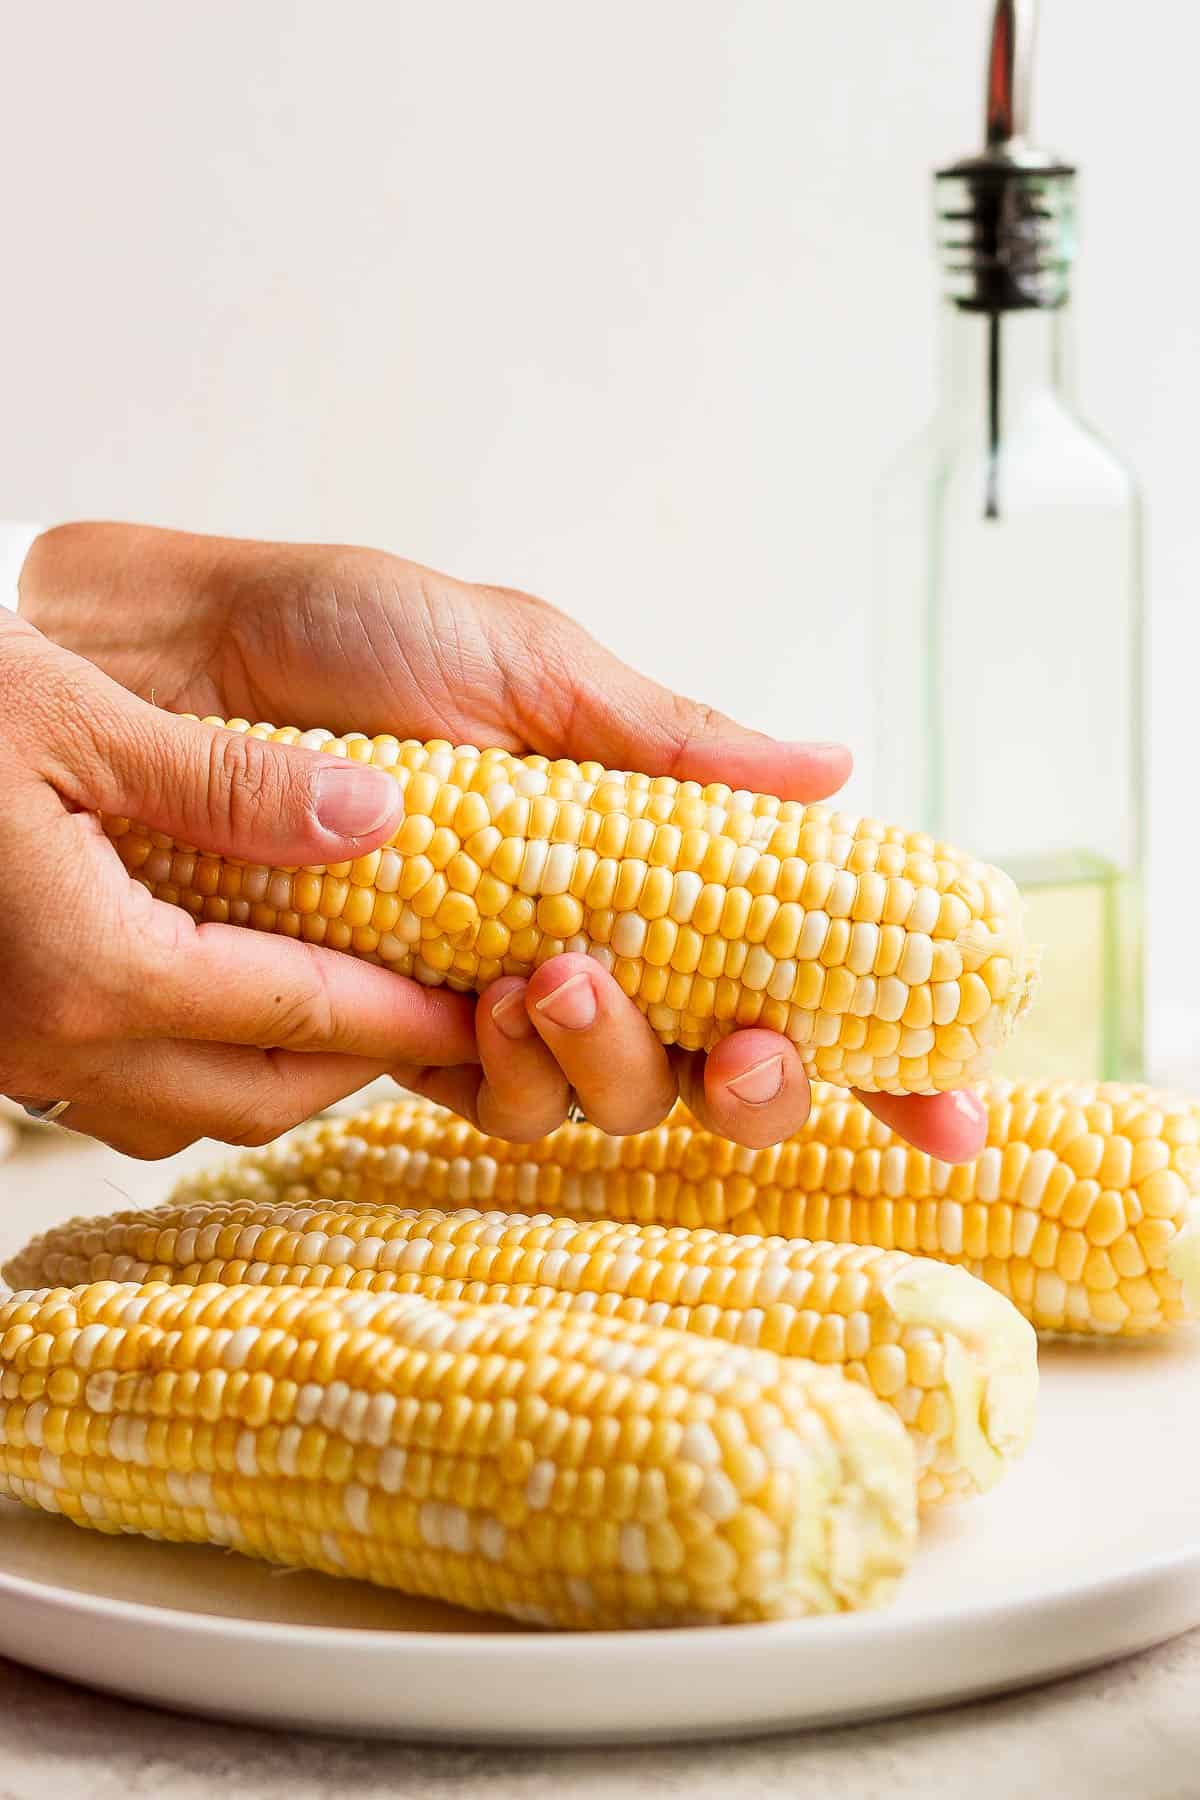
(994, 364)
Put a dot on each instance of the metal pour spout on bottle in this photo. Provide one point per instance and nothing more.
(1008, 628)
(1006, 106)
(1010, 238)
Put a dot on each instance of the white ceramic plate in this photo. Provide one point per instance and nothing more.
(1089, 1551)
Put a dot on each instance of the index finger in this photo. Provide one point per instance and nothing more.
(224, 984)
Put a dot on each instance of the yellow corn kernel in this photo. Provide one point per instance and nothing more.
(831, 1302)
(395, 1453)
(988, 1215)
(811, 888)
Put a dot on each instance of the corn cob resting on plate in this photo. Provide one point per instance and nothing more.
(1084, 1209)
(562, 1469)
(895, 964)
(954, 1360)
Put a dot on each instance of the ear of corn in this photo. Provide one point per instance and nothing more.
(955, 1361)
(894, 963)
(1084, 1209)
(562, 1470)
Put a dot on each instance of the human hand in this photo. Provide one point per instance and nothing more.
(357, 639)
(157, 1029)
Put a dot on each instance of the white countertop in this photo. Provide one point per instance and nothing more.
(1130, 1732)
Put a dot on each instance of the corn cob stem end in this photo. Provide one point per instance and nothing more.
(990, 1364)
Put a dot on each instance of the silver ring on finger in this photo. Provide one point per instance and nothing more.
(46, 1115)
(575, 1112)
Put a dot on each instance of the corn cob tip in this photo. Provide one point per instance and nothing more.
(1026, 991)
(1026, 957)
(1183, 1259)
(991, 1363)
(868, 1536)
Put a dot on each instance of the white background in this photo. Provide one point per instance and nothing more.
(628, 305)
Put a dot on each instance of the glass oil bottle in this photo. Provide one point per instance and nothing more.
(1008, 632)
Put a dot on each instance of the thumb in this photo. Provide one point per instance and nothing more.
(222, 791)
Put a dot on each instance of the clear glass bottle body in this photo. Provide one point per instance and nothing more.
(1008, 639)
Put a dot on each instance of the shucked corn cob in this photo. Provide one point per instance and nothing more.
(1084, 1209)
(893, 962)
(561, 1469)
(956, 1361)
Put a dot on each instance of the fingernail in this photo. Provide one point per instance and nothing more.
(572, 1004)
(759, 1083)
(509, 1015)
(811, 748)
(351, 800)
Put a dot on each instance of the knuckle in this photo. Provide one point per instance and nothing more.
(698, 716)
(243, 784)
(79, 715)
(260, 1109)
(257, 1135)
(686, 722)
(257, 1118)
(246, 1121)
(304, 1019)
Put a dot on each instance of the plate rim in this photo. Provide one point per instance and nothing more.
(542, 1645)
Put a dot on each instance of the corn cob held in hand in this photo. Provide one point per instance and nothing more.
(894, 963)
(563, 1470)
(1084, 1209)
(955, 1360)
